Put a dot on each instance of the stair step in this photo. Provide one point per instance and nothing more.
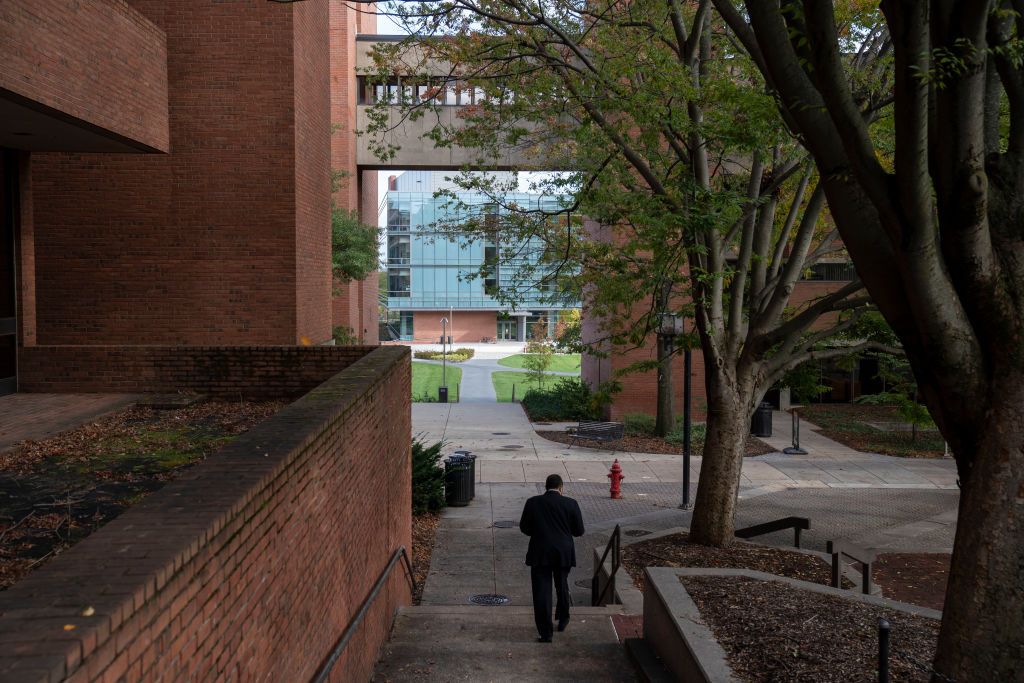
(438, 643)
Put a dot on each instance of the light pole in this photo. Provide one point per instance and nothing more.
(672, 326)
(442, 391)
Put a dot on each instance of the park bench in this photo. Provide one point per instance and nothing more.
(487, 340)
(597, 431)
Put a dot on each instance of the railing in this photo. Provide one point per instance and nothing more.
(795, 523)
(865, 557)
(615, 547)
(332, 659)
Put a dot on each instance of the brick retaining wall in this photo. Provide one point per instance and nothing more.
(251, 564)
(249, 372)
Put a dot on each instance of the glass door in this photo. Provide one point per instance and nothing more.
(508, 330)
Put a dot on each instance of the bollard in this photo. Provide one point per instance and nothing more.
(616, 476)
(883, 651)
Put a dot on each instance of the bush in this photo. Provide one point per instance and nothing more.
(570, 399)
(697, 434)
(456, 356)
(639, 424)
(427, 477)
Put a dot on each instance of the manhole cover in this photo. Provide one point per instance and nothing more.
(489, 599)
(637, 532)
(500, 433)
(506, 523)
(512, 446)
(583, 583)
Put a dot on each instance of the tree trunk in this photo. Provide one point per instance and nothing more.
(666, 419)
(982, 635)
(714, 510)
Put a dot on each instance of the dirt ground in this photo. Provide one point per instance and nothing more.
(424, 528)
(917, 578)
(774, 632)
(652, 444)
(55, 492)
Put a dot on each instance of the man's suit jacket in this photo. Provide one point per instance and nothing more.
(551, 520)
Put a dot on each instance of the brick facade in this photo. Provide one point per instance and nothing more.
(251, 564)
(224, 239)
(466, 326)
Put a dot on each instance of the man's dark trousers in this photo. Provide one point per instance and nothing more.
(550, 520)
(541, 579)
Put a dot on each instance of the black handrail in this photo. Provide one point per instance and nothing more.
(615, 546)
(796, 523)
(325, 668)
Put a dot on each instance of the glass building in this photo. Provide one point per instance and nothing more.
(432, 275)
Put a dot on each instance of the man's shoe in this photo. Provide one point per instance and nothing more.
(562, 623)
(542, 639)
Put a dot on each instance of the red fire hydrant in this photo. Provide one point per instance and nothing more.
(616, 476)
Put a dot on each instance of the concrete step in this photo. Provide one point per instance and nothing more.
(469, 643)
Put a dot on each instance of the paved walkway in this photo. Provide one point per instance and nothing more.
(37, 416)
(509, 450)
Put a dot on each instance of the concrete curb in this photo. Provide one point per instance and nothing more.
(673, 625)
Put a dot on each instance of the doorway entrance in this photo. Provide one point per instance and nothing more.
(508, 330)
(8, 311)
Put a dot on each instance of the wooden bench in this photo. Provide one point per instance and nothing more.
(594, 430)
(837, 549)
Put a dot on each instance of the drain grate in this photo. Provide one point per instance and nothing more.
(488, 599)
(636, 532)
(542, 424)
(500, 433)
(512, 446)
(505, 523)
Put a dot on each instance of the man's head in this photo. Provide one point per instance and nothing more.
(553, 482)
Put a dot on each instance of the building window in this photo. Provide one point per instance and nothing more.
(398, 282)
(398, 250)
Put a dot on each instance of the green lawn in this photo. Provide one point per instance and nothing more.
(560, 362)
(426, 378)
(503, 382)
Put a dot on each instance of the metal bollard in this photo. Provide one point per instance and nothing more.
(883, 651)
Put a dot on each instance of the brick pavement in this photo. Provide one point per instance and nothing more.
(37, 416)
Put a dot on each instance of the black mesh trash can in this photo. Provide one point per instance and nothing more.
(457, 481)
(761, 423)
(472, 471)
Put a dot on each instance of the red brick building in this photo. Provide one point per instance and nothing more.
(166, 172)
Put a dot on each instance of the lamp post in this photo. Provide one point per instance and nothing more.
(671, 326)
(442, 391)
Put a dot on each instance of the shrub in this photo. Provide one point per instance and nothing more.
(639, 424)
(427, 477)
(456, 356)
(697, 434)
(569, 399)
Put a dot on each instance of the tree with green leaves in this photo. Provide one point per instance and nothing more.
(353, 246)
(938, 238)
(701, 204)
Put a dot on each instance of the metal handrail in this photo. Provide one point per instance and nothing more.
(325, 668)
(615, 546)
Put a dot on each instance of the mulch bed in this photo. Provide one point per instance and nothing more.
(424, 528)
(847, 424)
(676, 550)
(55, 492)
(654, 444)
(917, 578)
(774, 632)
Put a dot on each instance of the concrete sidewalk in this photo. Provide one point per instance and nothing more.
(509, 450)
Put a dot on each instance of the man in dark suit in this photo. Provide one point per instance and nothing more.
(551, 520)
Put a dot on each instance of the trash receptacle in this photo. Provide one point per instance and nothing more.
(442, 394)
(472, 470)
(761, 422)
(457, 481)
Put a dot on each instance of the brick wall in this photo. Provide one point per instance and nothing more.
(202, 245)
(99, 64)
(312, 172)
(250, 372)
(250, 565)
(467, 326)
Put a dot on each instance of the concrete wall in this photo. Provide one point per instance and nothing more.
(250, 565)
